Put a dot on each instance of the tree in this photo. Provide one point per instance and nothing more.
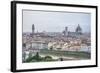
(37, 57)
(24, 56)
(29, 59)
(48, 58)
(30, 54)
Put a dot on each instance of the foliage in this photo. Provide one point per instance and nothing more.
(38, 58)
(49, 53)
(47, 58)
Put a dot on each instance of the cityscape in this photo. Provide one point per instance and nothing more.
(51, 36)
(56, 46)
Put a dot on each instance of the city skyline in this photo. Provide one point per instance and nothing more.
(55, 21)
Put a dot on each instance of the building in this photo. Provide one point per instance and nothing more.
(79, 29)
(47, 40)
(76, 33)
(65, 32)
(39, 45)
(33, 29)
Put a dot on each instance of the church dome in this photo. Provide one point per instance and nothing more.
(78, 29)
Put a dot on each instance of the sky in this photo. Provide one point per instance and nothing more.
(50, 21)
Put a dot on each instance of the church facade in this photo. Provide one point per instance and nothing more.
(76, 33)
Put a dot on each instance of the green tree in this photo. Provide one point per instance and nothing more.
(24, 56)
(37, 57)
(47, 58)
(30, 54)
(29, 59)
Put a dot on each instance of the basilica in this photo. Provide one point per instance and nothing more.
(77, 32)
(66, 32)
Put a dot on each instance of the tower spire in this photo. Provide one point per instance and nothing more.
(33, 29)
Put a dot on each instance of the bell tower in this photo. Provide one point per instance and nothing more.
(33, 29)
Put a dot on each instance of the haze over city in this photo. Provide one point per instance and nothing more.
(55, 21)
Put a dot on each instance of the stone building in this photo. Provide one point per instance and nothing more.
(76, 33)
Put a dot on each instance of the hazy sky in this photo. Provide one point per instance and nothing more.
(55, 21)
